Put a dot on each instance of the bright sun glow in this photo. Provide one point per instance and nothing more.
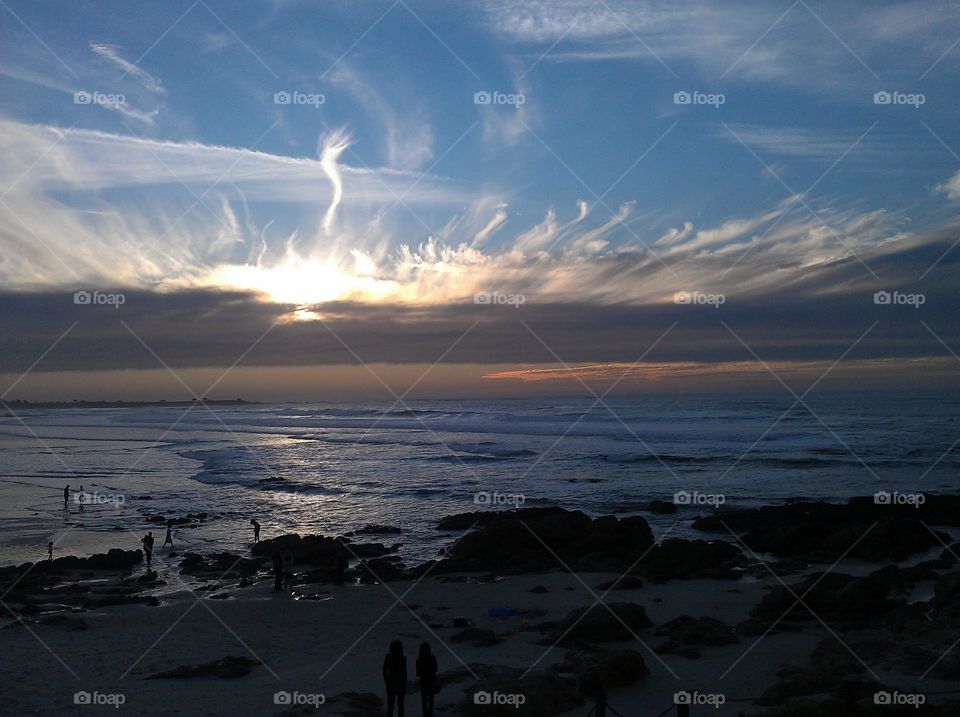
(304, 281)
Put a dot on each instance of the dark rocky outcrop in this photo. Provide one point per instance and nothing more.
(817, 530)
(374, 529)
(611, 622)
(543, 539)
(830, 596)
(676, 558)
(627, 582)
(687, 634)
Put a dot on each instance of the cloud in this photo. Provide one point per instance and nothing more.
(951, 187)
(407, 135)
(753, 41)
(111, 53)
(331, 147)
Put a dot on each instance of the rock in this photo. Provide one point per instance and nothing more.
(379, 570)
(946, 596)
(328, 558)
(374, 529)
(601, 623)
(602, 670)
(477, 636)
(627, 582)
(832, 670)
(687, 633)
(816, 530)
(115, 559)
(230, 667)
(676, 558)
(532, 540)
(370, 550)
(829, 596)
(466, 521)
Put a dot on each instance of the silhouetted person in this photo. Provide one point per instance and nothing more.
(50, 550)
(66, 496)
(256, 530)
(395, 677)
(427, 672)
(169, 538)
(147, 541)
(277, 570)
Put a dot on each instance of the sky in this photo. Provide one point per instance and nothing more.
(357, 199)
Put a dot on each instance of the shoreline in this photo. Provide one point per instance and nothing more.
(734, 641)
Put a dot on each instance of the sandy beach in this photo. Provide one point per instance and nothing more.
(319, 649)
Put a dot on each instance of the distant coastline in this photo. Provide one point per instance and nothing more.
(123, 404)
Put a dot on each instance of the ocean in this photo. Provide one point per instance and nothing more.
(334, 467)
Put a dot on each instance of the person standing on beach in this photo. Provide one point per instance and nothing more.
(395, 677)
(80, 497)
(50, 550)
(277, 570)
(169, 538)
(66, 496)
(147, 541)
(256, 530)
(427, 672)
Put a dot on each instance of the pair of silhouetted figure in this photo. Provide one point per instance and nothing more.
(395, 678)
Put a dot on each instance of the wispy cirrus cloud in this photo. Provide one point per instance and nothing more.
(112, 54)
(792, 45)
